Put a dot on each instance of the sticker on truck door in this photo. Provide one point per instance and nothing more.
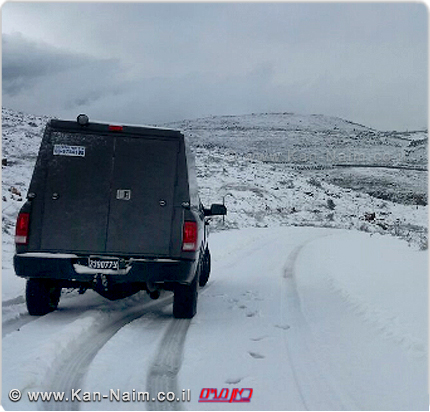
(66, 150)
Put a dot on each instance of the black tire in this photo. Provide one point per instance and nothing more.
(206, 268)
(185, 299)
(42, 296)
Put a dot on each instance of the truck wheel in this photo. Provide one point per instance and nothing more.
(42, 296)
(206, 268)
(185, 300)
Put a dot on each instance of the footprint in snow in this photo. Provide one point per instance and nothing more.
(256, 355)
(259, 338)
(284, 327)
(251, 314)
(233, 381)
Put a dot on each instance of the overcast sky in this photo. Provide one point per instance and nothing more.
(155, 63)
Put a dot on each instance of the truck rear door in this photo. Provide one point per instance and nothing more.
(77, 190)
(142, 195)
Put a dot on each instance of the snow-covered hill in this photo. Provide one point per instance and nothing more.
(387, 165)
(238, 161)
(289, 169)
(309, 142)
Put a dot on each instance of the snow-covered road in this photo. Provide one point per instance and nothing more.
(310, 319)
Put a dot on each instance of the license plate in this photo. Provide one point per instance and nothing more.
(103, 264)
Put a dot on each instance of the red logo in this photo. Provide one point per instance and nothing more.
(225, 395)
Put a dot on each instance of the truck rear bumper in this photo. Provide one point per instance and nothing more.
(70, 267)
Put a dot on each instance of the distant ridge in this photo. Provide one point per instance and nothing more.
(313, 140)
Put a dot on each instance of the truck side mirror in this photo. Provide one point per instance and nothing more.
(216, 210)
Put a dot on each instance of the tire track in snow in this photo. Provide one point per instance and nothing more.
(316, 387)
(164, 370)
(14, 324)
(74, 366)
(163, 373)
(16, 307)
(14, 301)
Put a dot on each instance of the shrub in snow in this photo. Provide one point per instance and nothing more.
(330, 204)
(330, 217)
(314, 182)
(424, 244)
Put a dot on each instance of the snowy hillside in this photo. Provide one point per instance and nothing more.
(232, 153)
(313, 141)
(287, 169)
(325, 148)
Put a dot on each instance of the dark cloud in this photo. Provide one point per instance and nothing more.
(26, 63)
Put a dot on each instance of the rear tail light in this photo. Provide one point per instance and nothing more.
(114, 128)
(189, 238)
(22, 226)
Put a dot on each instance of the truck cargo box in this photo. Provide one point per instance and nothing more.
(113, 208)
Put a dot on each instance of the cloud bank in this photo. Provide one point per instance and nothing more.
(154, 63)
